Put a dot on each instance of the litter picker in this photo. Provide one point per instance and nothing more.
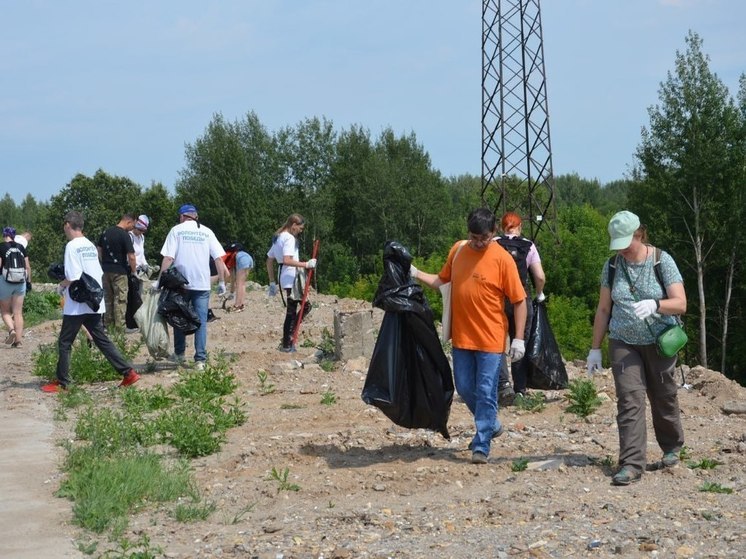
(305, 294)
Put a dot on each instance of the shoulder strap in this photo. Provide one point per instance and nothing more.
(657, 270)
(460, 246)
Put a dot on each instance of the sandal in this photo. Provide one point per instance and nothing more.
(11, 337)
(17, 344)
(237, 309)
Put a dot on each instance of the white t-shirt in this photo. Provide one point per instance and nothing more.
(21, 240)
(285, 245)
(81, 256)
(138, 241)
(191, 245)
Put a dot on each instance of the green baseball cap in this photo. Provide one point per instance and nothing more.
(622, 228)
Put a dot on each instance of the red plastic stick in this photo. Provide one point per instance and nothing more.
(305, 294)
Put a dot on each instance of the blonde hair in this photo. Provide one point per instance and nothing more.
(293, 219)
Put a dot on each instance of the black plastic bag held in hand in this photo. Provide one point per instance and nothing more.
(409, 378)
(546, 370)
(86, 290)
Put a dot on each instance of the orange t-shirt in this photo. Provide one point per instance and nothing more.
(480, 282)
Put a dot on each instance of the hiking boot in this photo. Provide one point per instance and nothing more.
(505, 396)
(177, 358)
(130, 378)
(670, 459)
(625, 476)
(478, 457)
(199, 365)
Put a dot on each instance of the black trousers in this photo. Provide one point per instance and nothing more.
(291, 318)
(71, 324)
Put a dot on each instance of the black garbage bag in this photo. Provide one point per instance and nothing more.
(409, 378)
(178, 311)
(134, 300)
(546, 370)
(86, 290)
(56, 271)
(172, 278)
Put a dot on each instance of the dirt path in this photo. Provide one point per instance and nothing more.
(369, 489)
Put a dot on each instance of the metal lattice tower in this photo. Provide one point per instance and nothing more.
(516, 150)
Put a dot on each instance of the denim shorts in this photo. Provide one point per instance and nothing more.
(244, 261)
(7, 289)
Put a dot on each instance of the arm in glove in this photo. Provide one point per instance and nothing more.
(221, 288)
(645, 308)
(311, 264)
(413, 271)
(540, 298)
(272, 289)
(593, 361)
(154, 286)
(517, 350)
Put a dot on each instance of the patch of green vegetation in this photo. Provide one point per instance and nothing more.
(281, 477)
(328, 398)
(583, 397)
(519, 465)
(712, 487)
(532, 401)
(40, 306)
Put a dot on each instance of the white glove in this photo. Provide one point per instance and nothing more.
(311, 264)
(221, 287)
(540, 298)
(154, 286)
(517, 350)
(593, 361)
(413, 271)
(645, 308)
(60, 290)
(272, 289)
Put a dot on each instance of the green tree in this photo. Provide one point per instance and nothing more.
(688, 173)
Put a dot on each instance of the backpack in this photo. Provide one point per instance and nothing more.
(518, 247)
(14, 265)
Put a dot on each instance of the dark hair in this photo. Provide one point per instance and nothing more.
(75, 219)
(481, 221)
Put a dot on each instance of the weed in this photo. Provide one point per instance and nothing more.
(308, 342)
(282, 480)
(712, 487)
(331, 504)
(239, 516)
(264, 386)
(327, 365)
(133, 550)
(532, 401)
(519, 465)
(608, 462)
(328, 398)
(193, 512)
(583, 397)
(704, 464)
(40, 306)
(327, 345)
(685, 453)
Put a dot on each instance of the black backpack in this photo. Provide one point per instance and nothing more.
(518, 247)
(14, 264)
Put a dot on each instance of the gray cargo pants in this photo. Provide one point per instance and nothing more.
(639, 370)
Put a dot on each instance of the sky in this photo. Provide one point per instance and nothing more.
(125, 86)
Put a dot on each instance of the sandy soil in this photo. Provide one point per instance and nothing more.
(370, 489)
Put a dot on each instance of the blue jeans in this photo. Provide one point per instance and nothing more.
(200, 301)
(476, 373)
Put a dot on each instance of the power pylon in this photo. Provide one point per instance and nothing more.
(516, 147)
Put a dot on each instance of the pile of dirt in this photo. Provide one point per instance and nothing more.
(370, 489)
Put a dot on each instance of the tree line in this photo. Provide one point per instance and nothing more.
(357, 191)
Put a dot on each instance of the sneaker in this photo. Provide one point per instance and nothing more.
(177, 358)
(505, 396)
(131, 330)
(478, 457)
(670, 459)
(199, 365)
(500, 430)
(211, 315)
(625, 476)
(130, 378)
(11, 337)
(53, 387)
(290, 349)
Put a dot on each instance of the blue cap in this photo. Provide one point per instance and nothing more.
(9, 232)
(187, 209)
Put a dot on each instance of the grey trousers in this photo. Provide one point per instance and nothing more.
(639, 371)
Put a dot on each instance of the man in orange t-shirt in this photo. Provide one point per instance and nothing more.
(482, 275)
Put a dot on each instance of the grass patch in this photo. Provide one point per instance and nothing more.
(712, 487)
(328, 398)
(519, 465)
(704, 464)
(40, 306)
(531, 401)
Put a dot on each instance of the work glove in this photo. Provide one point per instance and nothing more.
(517, 350)
(413, 272)
(540, 298)
(311, 264)
(154, 286)
(593, 361)
(28, 286)
(221, 288)
(272, 289)
(645, 308)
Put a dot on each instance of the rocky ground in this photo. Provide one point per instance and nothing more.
(370, 489)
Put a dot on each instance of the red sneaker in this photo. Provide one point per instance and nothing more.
(130, 378)
(53, 387)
